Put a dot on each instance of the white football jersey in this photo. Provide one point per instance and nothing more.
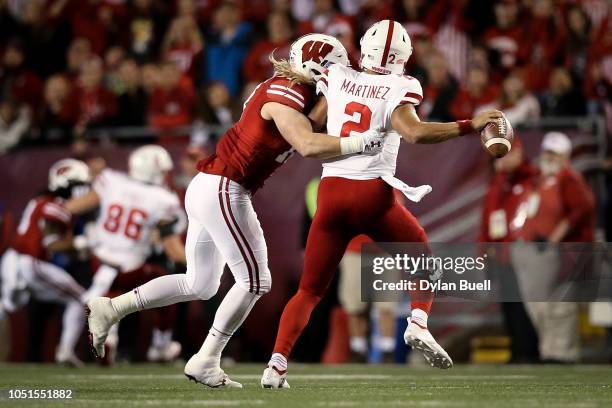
(129, 213)
(358, 101)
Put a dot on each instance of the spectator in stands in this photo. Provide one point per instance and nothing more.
(325, 19)
(182, 43)
(510, 186)
(173, 101)
(78, 52)
(474, 94)
(517, 103)
(544, 48)
(112, 60)
(216, 109)
(51, 124)
(90, 103)
(578, 43)
(506, 38)
(257, 67)
(563, 210)
(227, 45)
(133, 99)
(15, 121)
(17, 81)
(150, 77)
(562, 98)
(439, 91)
(146, 26)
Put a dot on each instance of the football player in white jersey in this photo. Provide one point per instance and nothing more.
(356, 192)
(132, 207)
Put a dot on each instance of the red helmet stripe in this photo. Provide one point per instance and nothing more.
(385, 55)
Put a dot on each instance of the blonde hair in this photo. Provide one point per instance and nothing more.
(283, 68)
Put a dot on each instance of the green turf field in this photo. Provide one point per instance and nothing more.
(321, 386)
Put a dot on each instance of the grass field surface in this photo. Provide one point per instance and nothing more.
(127, 386)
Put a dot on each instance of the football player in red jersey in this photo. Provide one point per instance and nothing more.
(44, 229)
(223, 226)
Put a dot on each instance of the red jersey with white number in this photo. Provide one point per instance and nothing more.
(253, 148)
(358, 101)
(129, 213)
(31, 239)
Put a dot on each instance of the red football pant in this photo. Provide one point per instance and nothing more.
(345, 209)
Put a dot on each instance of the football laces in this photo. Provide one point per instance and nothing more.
(501, 125)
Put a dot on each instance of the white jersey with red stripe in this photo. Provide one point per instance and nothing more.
(359, 101)
(129, 213)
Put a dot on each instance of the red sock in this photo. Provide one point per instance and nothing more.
(293, 321)
(421, 299)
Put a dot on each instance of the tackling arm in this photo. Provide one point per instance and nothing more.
(83, 204)
(407, 123)
(297, 130)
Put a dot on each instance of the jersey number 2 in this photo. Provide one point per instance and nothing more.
(365, 117)
(133, 226)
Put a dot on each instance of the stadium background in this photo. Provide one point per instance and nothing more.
(94, 78)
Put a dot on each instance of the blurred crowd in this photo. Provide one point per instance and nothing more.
(70, 66)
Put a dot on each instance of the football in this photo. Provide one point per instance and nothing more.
(497, 137)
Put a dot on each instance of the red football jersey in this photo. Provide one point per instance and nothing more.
(30, 239)
(253, 148)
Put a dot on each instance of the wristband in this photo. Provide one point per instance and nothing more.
(465, 127)
(351, 145)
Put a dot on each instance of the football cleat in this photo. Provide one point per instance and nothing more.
(274, 378)
(101, 316)
(165, 354)
(67, 358)
(208, 373)
(419, 338)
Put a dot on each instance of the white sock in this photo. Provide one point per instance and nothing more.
(161, 339)
(419, 317)
(232, 311)
(162, 291)
(359, 344)
(279, 361)
(385, 344)
(73, 321)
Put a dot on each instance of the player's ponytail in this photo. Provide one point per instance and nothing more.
(282, 68)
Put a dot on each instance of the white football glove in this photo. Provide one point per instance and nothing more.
(373, 141)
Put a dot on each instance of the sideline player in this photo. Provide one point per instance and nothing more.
(132, 207)
(223, 226)
(356, 192)
(45, 229)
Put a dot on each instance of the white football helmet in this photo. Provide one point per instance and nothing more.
(67, 171)
(385, 48)
(311, 54)
(150, 164)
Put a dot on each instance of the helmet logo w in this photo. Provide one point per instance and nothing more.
(316, 50)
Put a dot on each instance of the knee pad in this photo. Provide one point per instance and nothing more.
(250, 283)
(204, 290)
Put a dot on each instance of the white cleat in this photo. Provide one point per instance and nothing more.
(273, 378)
(101, 316)
(213, 376)
(165, 354)
(421, 339)
(67, 358)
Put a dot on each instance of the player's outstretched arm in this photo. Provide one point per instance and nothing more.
(83, 204)
(171, 241)
(297, 131)
(407, 123)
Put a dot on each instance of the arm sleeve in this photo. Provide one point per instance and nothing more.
(322, 84)
(287, 93)
(56, 213)
(409, 90)
(103, 182)
(172, 220)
